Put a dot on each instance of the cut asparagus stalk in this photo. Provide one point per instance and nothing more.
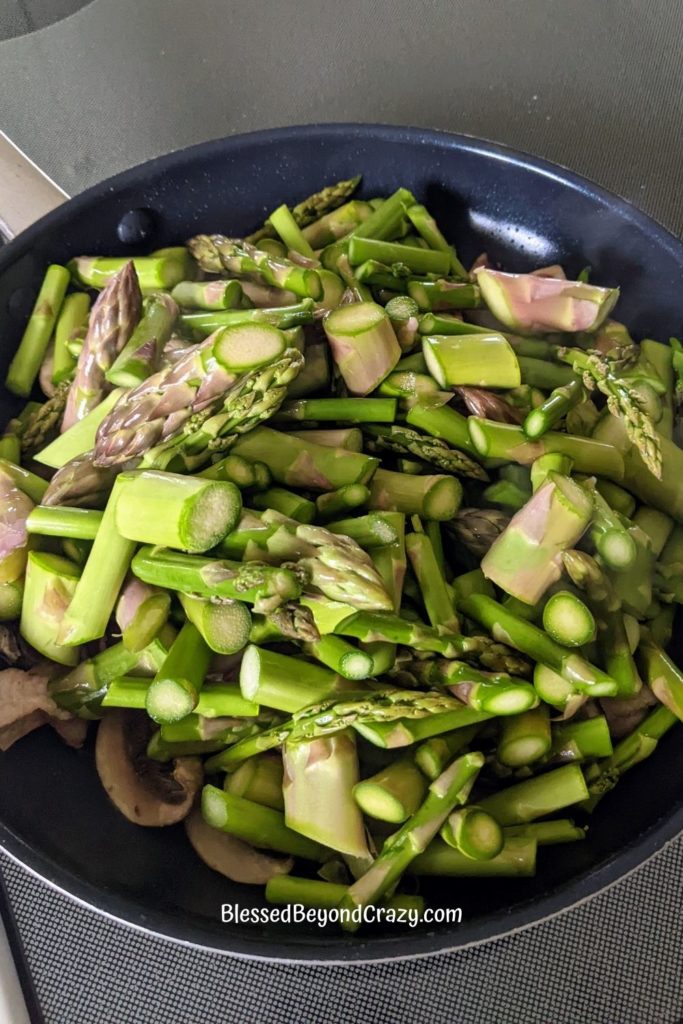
(542, 419)
(282, 317)
(383, 656)
(310, 892)
(141, 614)
(497, 693)
(49, 587)
(526, 558)
(11, 599)
(546, 833)
(265, 587)
(350, 410)
(426, 226)
(98, 588)
(290, 232)
(208, 295)
(516, 859)
(286, 684)
(79, 438)
(72, 323)
(537, 797)
(555, 690)
(432, 496)
(529, 302)
(335, 225)
(540, 373)
(616, 497)
(159, 750)
(154, 272)
(370, 531)
(234, 469)
(474, 833)
(477, 360)
(567, 619)
(581, 741)
(663, 676)
(141, 354)
(297, 463)
(506, 495)
(634, 584)
(404, 441)
(242, 259)
(174, 691)
(250, 529)
(403, 313)
(417, 260)
(385, 221)
(437, 600)
(506, 441)
(257, 825)
(525, 738)
(215, 701)
(442, 422)
(25, 364)
(175, 511)
(315, 206)
(318, 785)
(415, 835)
(259, 779)
(345, 499)
(342, 657)
(656, 525)
(224, 625)
(76, 523)
(473, 582)
(394, 793)
(295, 506)
(611, 538)
(443, 295)
(350, 438)
(532, 641)
(434, 754)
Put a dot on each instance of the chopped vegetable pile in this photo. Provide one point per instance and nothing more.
(365, 564)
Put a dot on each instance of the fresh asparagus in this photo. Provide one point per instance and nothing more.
(402, 440)
(25, 364)
(216, 254)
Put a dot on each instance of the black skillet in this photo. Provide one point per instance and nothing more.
(54, 816)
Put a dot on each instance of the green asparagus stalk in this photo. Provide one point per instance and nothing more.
(544, 374)
(392, 794)
(524, 739)
(663, 676)
(432, 496)
(140, 356)
(416, 260)
(438, 602)
(319, 781)
(216, 253)
(612, 540)
(526, 558)
(403, 314)
(176, 511)
(288, 503)
(155, 273)
(282, 317)
(76, 523)
(341, 657)
(234, 469)
(223, 625)
(71, 323)
(174, 691)
(532, 641)
(516, 859)
(350, 438)
(537, 797)
(319, 205)
(350, 410)
(476, 360)
(402, 440)
(141, 614)
(209, 295)
(112, 322)
(76, 441)
(415, 835)
(98, 588)
(259, 779)
(585, 573)
(427, 228)
(11, 600)
(443, 295)
(473, 582)
(539, 421)
(546, 833)
(34, 487)
(581, 741)
(25, 364)
(506, 441)
(345, 499)
(297, 463)
(434, 754)
(370, 531)
(336, 224)
(568, 620)
(474, 833)
(266, 587)
(281, 682)
(49, 587)
(257, 825)
(289, 231)
(497, 693)
(363, 344)
(442, 422)
(218, 701)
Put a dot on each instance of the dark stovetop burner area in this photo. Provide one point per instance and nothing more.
(20, 17)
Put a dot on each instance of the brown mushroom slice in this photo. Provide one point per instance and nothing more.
(230, 856)
(25, 705)
(147, 792)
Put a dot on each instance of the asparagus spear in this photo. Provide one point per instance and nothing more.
(537, 797)
(259, 779)
(568, 620)
(516, 859)
(174, 691)
(434, 754)
(332, 226)
(25, 364)
(585, 573)
(288, 503)
(112, 322)
(141, 613)
(437, 600)
(319, 781)
(266, 587)
(477, 360)
(602, 372)
(342, 657)
(532, 641)
(427, 227)
(415, 835)
(77, 441)
(344, 499)
(155, 273)
(223, 625)
(526, 558)
(209, 295)
(282, 317)
(71, 323)
(280, 682)
(546, 833)
(432, 496)
(497, 693)
(297, 463)
(34, 487)
(474, 833)
(402, 440)
(216, 253)
(141, 354)
(257, 825)
(50, 585)
(363, 344)
(319, 205)
(524, 739)
(403, 314)
(478, 528)
(542, 419)
(392, 794)
(351, 410)
(581, 741)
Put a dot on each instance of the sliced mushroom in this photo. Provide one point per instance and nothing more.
(147, 792)
(25, 705)
(230, 856)
(624, 714)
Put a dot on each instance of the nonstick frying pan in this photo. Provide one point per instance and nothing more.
(54, 815)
